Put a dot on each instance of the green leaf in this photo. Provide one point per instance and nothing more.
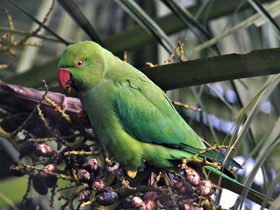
(259, 8)
(136, 36)
(187, 18)
(214, 69)
(275, 6)
(182, 74)
(74, 11)
(147, 23)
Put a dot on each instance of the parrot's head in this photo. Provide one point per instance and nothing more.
(81, 66)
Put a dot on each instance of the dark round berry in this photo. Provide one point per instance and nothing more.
(80, 159)
(192, 176)
(27, 148)
(51, 181)
(49, 168)
(40, 185)
(183, 188)
(43, 150)
(205, 187)
(107, 198)
(83, 175)
(84, 195)
(100, 184)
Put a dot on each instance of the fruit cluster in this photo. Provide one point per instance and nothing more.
(53, 148)
(97, 185)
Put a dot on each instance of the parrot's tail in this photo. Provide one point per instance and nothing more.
(235, 186)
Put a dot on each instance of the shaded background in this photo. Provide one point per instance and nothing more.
(125, 30)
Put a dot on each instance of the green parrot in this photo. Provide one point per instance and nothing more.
(133, 118)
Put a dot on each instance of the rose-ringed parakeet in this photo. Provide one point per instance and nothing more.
(133, 118)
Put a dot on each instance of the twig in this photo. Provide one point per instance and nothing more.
(4, 36)
(81, 153)
(34, 168)
(176, 103)
(52, 138)
(57, 108)
(23, 40)
(179, 48)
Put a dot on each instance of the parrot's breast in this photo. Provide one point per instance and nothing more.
(114, 140)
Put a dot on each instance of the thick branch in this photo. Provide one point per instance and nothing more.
(25, 99)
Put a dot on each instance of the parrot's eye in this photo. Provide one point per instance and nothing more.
(79, 63)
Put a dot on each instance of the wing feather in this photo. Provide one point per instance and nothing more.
(147, 114)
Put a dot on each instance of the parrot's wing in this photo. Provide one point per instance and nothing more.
(147, 114)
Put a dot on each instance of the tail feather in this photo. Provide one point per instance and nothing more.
(237, 187)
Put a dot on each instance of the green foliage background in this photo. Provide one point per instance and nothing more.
(149, 31)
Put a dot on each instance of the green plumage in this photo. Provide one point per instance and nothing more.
(132, 117)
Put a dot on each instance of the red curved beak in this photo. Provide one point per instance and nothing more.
(64, 79)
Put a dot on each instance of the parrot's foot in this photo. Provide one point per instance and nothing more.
(131, 174)
(204, 161)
